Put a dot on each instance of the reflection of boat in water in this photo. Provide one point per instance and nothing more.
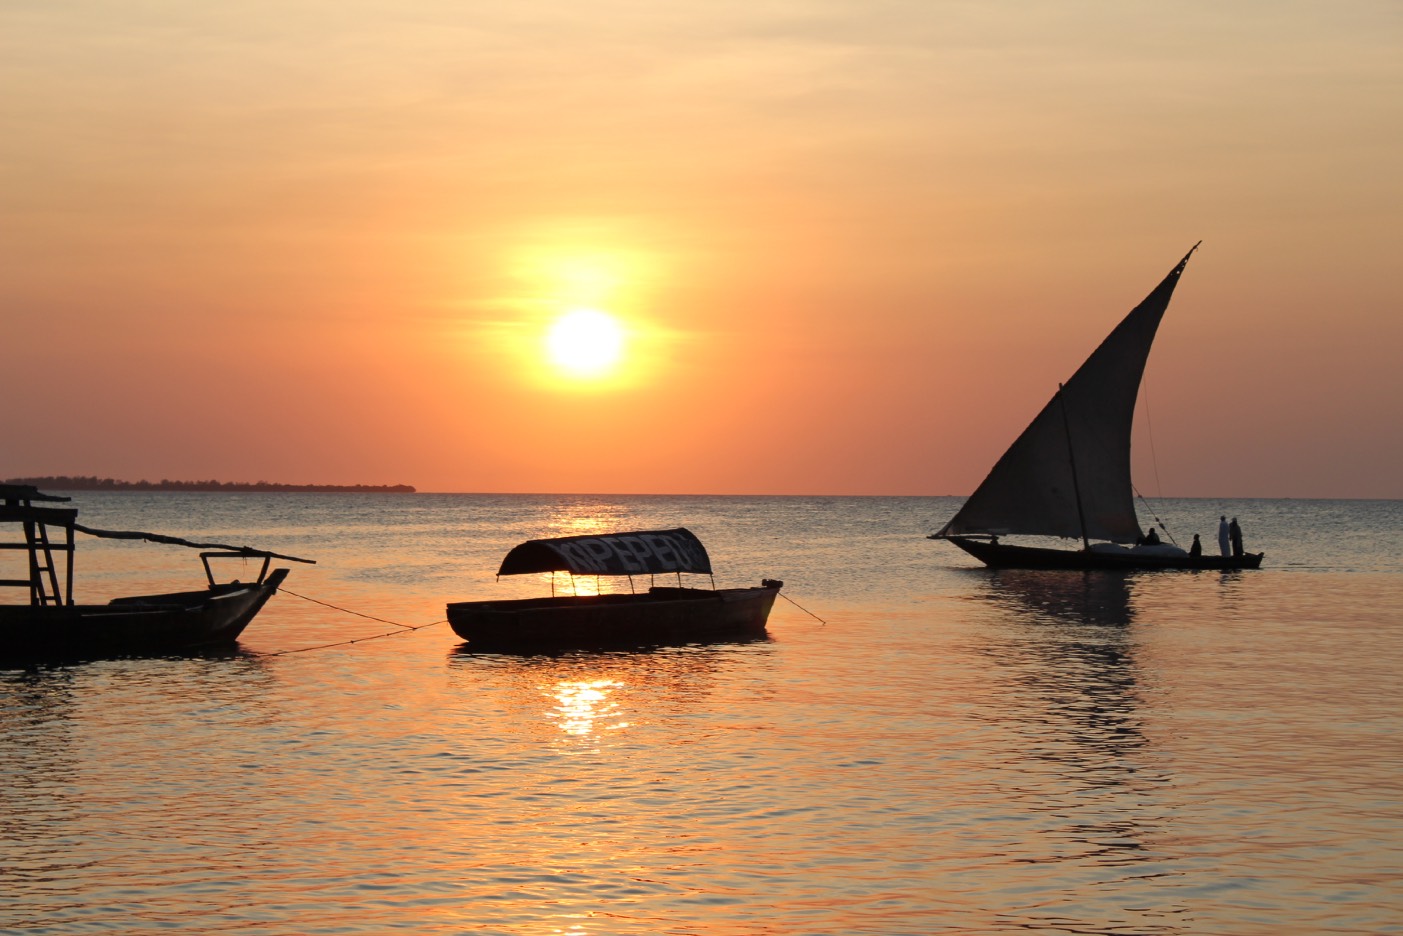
(1068, 474)
(1065, 680)
(598, 695)
(661, 615)
(1039, 596)
(52, 625)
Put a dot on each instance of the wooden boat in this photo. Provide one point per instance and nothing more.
(664, 614)
(1068, 474)
(52, 625)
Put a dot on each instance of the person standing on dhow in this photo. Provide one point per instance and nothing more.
(1235, 537)
(1224, 541)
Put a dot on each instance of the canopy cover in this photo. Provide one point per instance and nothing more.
(611, 554)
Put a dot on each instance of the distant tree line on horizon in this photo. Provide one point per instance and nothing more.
(84, 483)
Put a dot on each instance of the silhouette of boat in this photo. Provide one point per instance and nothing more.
(52, 625)
(663, 615)
(1068, 474)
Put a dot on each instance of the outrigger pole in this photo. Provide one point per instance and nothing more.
(245, 551)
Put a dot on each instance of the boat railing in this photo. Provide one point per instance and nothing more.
(205, 557)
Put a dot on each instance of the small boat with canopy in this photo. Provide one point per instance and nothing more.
(1068, 475)
(53, 625)
(661, 615)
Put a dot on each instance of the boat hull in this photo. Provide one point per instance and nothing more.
(143, 625)
(1009, 556)
(660, 616)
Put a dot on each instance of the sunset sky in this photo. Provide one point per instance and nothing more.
(850, 248)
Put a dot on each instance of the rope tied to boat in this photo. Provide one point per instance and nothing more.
(404, 628)
(804, 609)
(410, 628)
(333, 607)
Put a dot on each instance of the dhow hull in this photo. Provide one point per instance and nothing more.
(1009, 556)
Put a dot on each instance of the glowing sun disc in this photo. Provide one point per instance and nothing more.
(585, 343)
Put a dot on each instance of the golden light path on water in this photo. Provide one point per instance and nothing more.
(583, 709)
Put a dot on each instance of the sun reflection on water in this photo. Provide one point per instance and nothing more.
(582, 519)
(584, 708)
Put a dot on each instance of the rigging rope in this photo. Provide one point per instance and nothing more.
(1152, 514)
(1154, 459)
(1150, 430)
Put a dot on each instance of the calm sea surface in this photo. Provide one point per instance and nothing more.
(950, 750)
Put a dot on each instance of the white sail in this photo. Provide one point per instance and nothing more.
(1068, 474)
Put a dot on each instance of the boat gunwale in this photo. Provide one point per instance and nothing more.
(658, 594)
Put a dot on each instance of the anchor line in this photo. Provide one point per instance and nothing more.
(404, 628)
(349, 611)
(409, 628)
(804, 609)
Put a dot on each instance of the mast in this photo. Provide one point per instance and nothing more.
(1072, 463)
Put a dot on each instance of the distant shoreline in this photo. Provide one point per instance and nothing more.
(68, 483)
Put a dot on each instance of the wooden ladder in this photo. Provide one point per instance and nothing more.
(43, 578)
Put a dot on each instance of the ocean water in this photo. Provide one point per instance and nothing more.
(921, 746)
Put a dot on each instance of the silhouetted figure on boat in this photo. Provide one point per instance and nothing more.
(1196, 549)
(1152, 538)
(1235, 537)
(1224, 539)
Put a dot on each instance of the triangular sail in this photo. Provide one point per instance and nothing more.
(1034, 487)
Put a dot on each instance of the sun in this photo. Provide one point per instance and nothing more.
(585, 343)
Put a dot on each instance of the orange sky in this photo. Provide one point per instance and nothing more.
(855, 246)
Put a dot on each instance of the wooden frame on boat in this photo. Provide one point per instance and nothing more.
(52, 625)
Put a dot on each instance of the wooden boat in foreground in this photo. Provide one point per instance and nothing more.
(53, 626)
(661, 615)
(1068, 474)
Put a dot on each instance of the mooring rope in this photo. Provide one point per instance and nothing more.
(404, 628)
(348, 611)
(802, 608)
(409, 628)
